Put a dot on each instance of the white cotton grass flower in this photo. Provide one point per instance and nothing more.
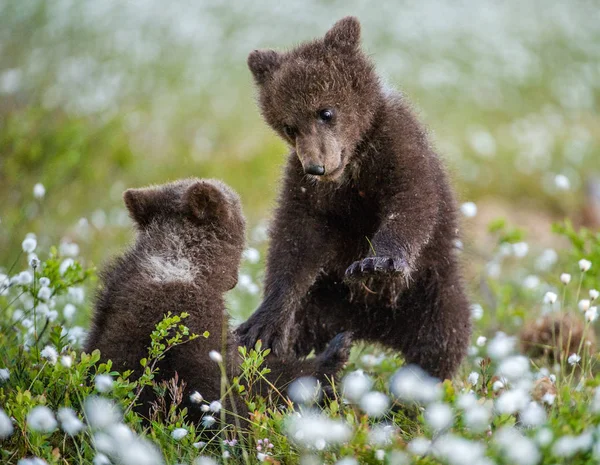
(356, 384)
(69, 311)
(44, 293)
(215, 406)
(252, 255)
(199, 444)
(33, 260)
(69, 421)
(6, 426)
(208, 421)
(517, 449)
(103, 383)
(345, 461)
(439, 416)
(139, 452)
(205, 408)
(477, 418)
(533, 415)
(561, 182)
(50, 354)
(374, 404)
(305, 390)
(179, 433)
(196, 397)
(584, 305)
(520, 249)
(594, 294)
(501, 346)
(101, 459)
(32, 461)
(481, 340)
(24, 278)
(29, 244)
(65, 265)
(591, 315)
(544, 437)
(565, 278)
(204, 461)
(380, 455)
(41, 419)
(455, 450)
(39, 191)
(412, 384)
(469, 209)
(100, 412)
(514, 368)
(477, 312)
(574, 359)
(497, 385)
(44, 282)
(382, 434)
(68, 249)
(215, 356)
(316, 430)
(550, 297)
(567, 446)
(473, 378)
(584, 265)
(512, 401)
(4, 375)
(419, 446)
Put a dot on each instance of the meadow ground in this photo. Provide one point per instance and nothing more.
(99, 96)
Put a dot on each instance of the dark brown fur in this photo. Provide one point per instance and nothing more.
(368, 246)
(186, 256)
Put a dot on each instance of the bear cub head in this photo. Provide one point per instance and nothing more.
(189, 230)
(320, 97)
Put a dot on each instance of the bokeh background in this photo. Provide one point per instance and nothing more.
(98, 96)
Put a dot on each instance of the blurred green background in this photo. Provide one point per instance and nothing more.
(98, 96)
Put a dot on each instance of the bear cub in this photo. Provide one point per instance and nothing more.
(190, 238)
(363, 238)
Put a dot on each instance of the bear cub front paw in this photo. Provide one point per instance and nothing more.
(376, 266)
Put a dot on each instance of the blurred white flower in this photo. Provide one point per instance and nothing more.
(199, 444)
(584, 265)
(101, 459)
(346, 461)
(594, 294)
(374, 403)
(562, 182)
(4, 375)
(33, 260)
(29, 244)
(215, 356)
(548, 398)
(41, 419)
(439, 416)
(476, 311)
(481, 340)
(316, 430)
(355, 384)
(520, 249)
(208, 421)
(469, 209)
(550, 297)
(419, 446)
(567, 446)
(574, 359)
(50, 354)
(196, 397)
(24, 278)
(39, 191)
(592, 314)
(473, 378)
(533, 415)
(66, 361)
(69, 421)
(305, 390)
(412, 384)
(6, 426)
(179, 433)
(100, 412)
(565, 278)
(514, 368)
(45, 282)
(205, 408)
(455, 450)
(215, 406)
(382, 434)
(68, 249)
(44, 293)
(517, 449)
(65, 265)
(245, 282)
(477, 418)
(204, 461)
(584, 305)
(103, 383)
(252, 255)
(69, 311)
(544, 437)
(32, 461)
(501, 346)
(497, 385)
(512, 401)
(77, 294)
(546, 260)
(380, 455)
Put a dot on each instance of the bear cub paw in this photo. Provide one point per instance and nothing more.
(376, 266)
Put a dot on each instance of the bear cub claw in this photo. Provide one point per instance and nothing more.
(273, 335)
(376, 266)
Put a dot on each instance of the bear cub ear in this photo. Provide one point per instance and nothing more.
(344, 35)
(139, 204)
(263, 63)
(204, 200)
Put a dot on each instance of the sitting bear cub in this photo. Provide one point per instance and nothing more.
(364, 232)
(185, 257)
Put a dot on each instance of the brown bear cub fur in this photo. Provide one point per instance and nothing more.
(186, 256)
(363, 236)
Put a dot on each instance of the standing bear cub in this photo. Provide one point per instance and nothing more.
(186, 256)
(364, 232)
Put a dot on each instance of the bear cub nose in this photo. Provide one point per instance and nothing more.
(317, 170)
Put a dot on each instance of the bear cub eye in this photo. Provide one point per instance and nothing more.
(326, 115)
(289, 131)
